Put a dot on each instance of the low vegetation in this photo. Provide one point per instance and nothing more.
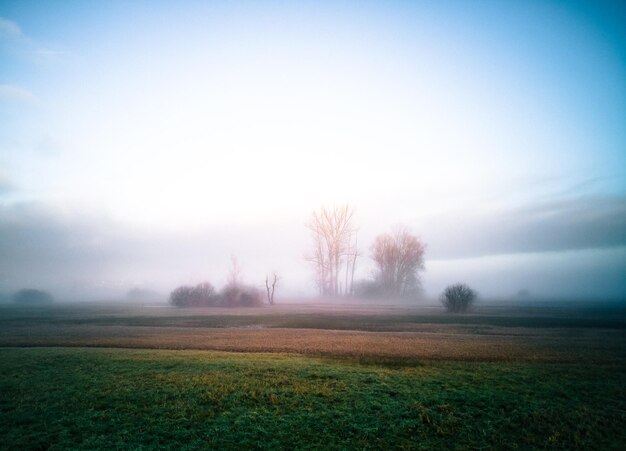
(488, 334)
(458, 298)
(204, 295)
(31, 296)
(311, 377)
(108, 399)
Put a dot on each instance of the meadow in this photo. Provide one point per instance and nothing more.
(312, 377)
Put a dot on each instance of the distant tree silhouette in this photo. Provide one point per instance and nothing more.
(31, 296)
(234, 274)
(270, 286)
(202, 295)
(368, 289)
(332, 231)
(241, 296)
(398, 256)
(458, 298)
(181, 296)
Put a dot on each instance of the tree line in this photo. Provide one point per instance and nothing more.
(234, 294)
(398, 258)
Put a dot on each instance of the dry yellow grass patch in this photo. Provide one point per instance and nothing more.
(415, 345)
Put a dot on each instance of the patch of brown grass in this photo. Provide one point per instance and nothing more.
(603, 346)
(368, 333)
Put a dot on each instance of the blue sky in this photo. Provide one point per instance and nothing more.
(493, 130)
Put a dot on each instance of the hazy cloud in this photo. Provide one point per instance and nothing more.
(9, 28)
(50, 247)
(580, 274)
(49, 54)
(90, 255)
(6, 185)
(570, 224)
(20, 43)
(18, 94)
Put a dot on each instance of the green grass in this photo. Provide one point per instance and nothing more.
(59, 398)
(350, 322)
(384, 321)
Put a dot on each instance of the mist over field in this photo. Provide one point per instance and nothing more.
(321, 225)
(96, 258)
(142, 147)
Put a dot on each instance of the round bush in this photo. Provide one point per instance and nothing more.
(202, 295)
(458, 298)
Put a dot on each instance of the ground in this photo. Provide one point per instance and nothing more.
(312, 376)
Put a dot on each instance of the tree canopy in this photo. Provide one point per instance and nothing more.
(398, 256)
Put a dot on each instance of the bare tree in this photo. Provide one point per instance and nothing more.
(332, 231)
(351, 256)
(270, 286)
(234, 274)
(398, 257)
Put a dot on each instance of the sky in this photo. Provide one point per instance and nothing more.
(144, 143)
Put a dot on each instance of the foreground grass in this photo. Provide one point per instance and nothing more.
(105, 398)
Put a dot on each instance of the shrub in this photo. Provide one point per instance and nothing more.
(241, 296)
(205, 294)
(368, 289)
(202, 295)
(458, 298)
(181, 296)
(30, 296)
(375, 289)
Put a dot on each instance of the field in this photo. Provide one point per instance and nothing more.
(312, 376)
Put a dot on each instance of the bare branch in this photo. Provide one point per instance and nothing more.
(398, 257)
(331, 231)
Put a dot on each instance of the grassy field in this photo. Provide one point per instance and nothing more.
(319, 378)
